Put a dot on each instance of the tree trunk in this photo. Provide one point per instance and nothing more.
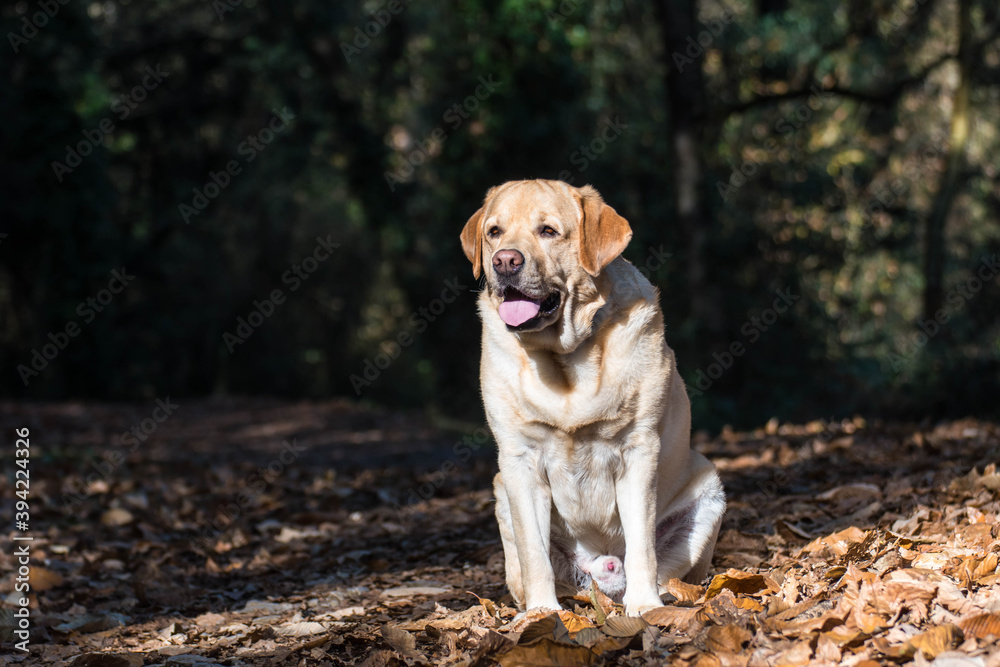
(686, 104)
(934, 251)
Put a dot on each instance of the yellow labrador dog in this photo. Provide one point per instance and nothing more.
(597, 478)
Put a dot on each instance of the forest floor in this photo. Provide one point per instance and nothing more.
(260, 532)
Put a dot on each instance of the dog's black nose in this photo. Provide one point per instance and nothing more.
(507, 262)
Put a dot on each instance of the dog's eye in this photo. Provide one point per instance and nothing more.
(493, 232)
(548, 232)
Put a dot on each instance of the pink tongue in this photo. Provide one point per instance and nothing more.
(518, 311)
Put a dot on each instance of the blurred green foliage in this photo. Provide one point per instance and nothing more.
(821, 146)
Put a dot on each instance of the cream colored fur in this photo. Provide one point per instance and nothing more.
(589, 413)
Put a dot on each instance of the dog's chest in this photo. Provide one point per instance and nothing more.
(582, 476)
(580, 396)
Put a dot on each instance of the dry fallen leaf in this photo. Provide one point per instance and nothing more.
(549, 626)
(411, 591)
(982, 626)
(117, 516)
(401, 640)
(43, 579)
(547, 653)
(749, 604)
(676, 618)
(684, 592)
(937, 640)
(624, 626)
(108, 660)
(740, 583)
(573, 622)
(727, 638)
(489, 606)
(300, 629)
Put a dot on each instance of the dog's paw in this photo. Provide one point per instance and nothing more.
(640, 605)
(642, 609)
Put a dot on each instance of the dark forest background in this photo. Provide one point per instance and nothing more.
(844, 154)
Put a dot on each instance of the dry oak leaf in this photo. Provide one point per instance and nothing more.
(573, 622)
(938, 640)
(986, 567)
(948, 594)
(409, 591)
(827, 649)
(489, 606)
(901, 652)
(300, 629)
(800, 654)
(547, 626)
(740, 583)
(845, 637)
(838, 542)
(686, 594)
(547, 653)
(678, 618)
(913, 595)
(981, 626)
(727, 638)
(598, 642)
(603, 605)
(721, 609)
(624, 626)
(117, 516)
(492, 643)
(108, 660)
(42, 579)
(401, 640)
(803, 626)
(749, 604)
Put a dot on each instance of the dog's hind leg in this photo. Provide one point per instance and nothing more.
(685, 538)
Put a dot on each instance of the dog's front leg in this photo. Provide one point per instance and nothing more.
(530, 504)
(635, 492)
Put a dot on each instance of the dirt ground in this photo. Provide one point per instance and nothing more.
(261, 532)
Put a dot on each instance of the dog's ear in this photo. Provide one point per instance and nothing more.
(603, 233)
(472, 242)
(472, 236)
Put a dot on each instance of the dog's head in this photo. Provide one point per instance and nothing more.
(536, 242)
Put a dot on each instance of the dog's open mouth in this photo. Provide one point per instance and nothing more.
(520, 311)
